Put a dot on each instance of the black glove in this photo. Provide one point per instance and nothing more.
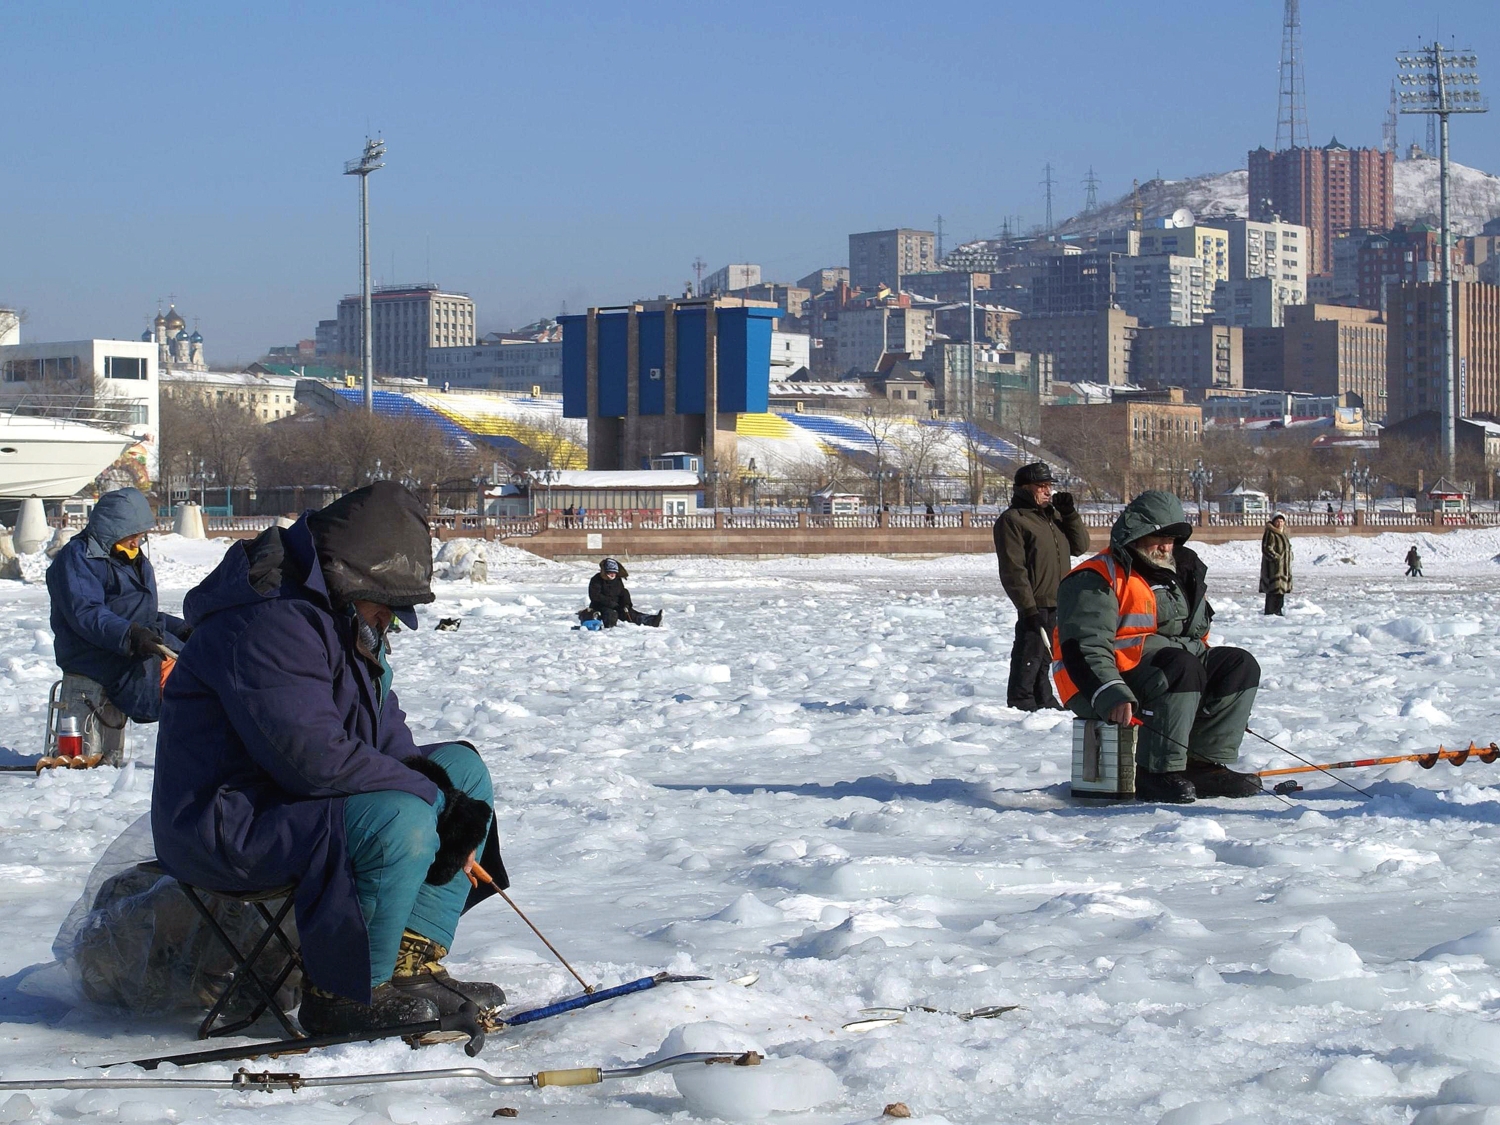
(143, 642)
(1035, 620)
(461, 824)
(1063, 502)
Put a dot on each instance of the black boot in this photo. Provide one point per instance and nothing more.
(323, 1013)
(1213, 780)
(653, 620)
(419, 973)
(1173, 788)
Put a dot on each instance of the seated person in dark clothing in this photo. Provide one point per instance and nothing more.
(609, 601)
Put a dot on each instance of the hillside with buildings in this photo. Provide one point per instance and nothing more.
(1476, 198)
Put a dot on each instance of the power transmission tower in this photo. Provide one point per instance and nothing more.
(1091, 200)
(1291, 112)
(1388, 138)
(940, 239)
(1047, 183)
(699, 265)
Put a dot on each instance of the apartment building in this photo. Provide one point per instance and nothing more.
(406, 320)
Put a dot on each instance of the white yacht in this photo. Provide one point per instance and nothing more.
(53, 457)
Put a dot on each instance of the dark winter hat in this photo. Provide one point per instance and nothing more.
(374, 545)
(610, 566)
(1035, 473)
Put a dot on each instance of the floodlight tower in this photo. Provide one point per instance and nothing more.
(369, 161)
(1440, 80)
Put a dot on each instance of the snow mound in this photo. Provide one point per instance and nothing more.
(1313, 953)
(745, 1093)
(1361, 1077)
(1198, 1113)
(1483, 943)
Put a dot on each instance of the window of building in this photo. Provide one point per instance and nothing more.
(124, 367)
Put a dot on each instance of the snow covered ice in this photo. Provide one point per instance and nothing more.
(810, 774)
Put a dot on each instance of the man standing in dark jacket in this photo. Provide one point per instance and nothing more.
(108, 633)
(1035, 539)
(609, 600)
(284, 757)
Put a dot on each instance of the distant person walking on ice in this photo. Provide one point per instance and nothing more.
(1132, 639)
(1413, 563)
(609, 600)
(1275, 565)
(1035, 539)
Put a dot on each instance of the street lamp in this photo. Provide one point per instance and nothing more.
(1442, 80)
(712, 477)
(1363, 479)
(369, 161)
(546, 478)
(1201, 479)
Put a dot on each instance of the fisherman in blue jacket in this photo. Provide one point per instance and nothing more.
(284, 757)
(108, 634)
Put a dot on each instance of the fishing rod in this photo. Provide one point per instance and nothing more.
(1275, 791)
(266, 1081)
(477, 874)
(1487, 754)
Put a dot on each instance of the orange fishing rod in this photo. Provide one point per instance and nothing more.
(1486, 754)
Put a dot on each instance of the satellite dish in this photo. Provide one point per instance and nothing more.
(1182, 217)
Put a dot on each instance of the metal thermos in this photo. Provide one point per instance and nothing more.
(69, 738)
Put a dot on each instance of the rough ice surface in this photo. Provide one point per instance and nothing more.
(810, 774)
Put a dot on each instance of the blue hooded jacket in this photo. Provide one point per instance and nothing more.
(270, 720)
(97, 596)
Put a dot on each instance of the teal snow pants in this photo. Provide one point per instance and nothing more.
(392, 839)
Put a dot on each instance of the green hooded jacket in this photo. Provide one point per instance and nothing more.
(1088, 613)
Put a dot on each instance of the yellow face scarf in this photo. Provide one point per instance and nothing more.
(129, 552)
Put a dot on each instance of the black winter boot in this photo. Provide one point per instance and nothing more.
(1172, 788)
(323, 1013)
(1213, 780)
(420, 974)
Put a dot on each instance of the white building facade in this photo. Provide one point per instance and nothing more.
(114, 381)
(407, 321)
(1163, 289)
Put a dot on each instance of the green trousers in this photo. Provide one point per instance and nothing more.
(392, 839)
(1190, 706)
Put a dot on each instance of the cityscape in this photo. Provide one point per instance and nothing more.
(820, 565)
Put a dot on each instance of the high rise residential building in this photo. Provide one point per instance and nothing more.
(1335, 350)
(1195, 357)
(326, 339)
(865, 334)
(1071, 284)
(1400, 255)
(1270, 249)
(1210, 245)
(406, 320)
(1265, 358)
(499, 365)
(1329, 190)
(1414, 314)
(1090, 348)
(726, 279)
(885, 257)
(825, 280)
(1163, 289)
(1008, 389)
(1250, 302)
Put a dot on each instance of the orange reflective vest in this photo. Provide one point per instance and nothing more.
(1137, 620)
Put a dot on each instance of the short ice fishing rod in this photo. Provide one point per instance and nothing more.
(266, 1081)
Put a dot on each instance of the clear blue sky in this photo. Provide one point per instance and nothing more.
(542, 154)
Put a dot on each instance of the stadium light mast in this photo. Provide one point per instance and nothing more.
(369, 161)
(1440, 80)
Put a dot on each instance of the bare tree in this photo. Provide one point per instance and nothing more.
(878, 420)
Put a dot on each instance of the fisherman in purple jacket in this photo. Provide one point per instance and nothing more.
(283, 756)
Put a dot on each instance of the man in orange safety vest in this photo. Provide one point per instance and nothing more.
(1131, 646)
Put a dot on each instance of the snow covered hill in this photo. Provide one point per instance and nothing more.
(1476, 198)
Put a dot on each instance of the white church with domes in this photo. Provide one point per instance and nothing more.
(176, 349)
